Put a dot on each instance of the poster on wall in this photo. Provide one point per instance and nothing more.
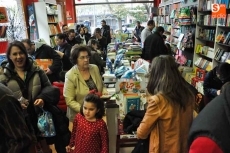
(32, 23)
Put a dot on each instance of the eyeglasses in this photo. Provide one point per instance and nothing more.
(84, 57)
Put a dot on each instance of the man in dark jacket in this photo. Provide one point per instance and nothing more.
(102, 42)
(137, 31)
(14, 133)
(71, 38)
(210, 132)
(63, 49)
(214, 80)
(39, 50)
(105, 31)
(154, 45)
(95, 57)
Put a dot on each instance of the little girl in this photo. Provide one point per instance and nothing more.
(90, 133)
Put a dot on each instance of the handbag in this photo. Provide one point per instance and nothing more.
(45, 124)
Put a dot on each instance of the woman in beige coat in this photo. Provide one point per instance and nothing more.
(170, 108)
(80, 80)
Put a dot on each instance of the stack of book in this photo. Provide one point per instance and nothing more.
(223, 37)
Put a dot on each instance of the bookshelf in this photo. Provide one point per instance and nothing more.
(179, 27)
(44, 22)
(212, 37)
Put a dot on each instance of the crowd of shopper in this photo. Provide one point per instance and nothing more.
(77, 61)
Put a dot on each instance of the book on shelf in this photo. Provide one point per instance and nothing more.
(228, 59)
(202, 63)
(227, 38)
(51, 19)
(224, 56)
(54, 29)
(205, 50)
(220, 38)
(228, 20)
(218, 54)
(210, 53)
(221, 21)
(198, 48)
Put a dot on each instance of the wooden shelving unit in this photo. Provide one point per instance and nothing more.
(212, 29)
(46, 22)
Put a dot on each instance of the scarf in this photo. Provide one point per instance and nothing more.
(83, 39)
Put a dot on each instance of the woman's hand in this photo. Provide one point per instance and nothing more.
(24, 106)
(48, 71)
(39, 102)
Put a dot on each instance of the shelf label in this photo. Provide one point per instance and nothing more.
(218, 10)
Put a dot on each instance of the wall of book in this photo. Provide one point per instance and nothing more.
(179, 20)
(212, 37)
(44, 22)
(212, 44)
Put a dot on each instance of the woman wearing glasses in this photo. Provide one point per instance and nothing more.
(80, 80)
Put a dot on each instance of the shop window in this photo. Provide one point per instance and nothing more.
(118, 15)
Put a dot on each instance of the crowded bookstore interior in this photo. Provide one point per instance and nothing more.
(114, 76)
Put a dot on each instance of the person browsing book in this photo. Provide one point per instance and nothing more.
(39, 50)
(214, 80)
(90, 133)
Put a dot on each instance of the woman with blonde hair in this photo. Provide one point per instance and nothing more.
(169, 112)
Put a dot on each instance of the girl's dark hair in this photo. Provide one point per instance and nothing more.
(93, 98)
(76, 51)
(166, 79)
(21, 46)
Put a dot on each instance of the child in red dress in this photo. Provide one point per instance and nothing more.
(90, 133)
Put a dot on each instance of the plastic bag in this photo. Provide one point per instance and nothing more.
(45, 124)
(120, 71)
(117, 62)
